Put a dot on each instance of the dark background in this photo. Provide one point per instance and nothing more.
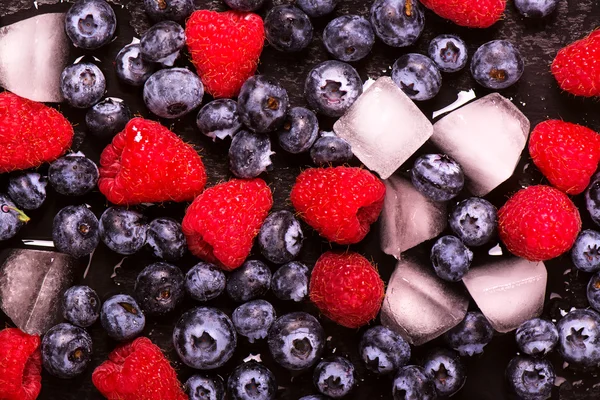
(536, 94)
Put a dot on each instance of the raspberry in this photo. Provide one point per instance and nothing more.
(469, 13)
(20, 365)
(575, 67)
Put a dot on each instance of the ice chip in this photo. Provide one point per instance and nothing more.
(486, 137)
(384, 127)
(508, 291)
(420, 306)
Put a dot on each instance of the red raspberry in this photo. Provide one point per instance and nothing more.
(469, 13)
(20, 365)
(576, 67)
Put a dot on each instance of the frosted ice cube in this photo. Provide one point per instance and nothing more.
(486, 137)
(408, 217)
(33, 53)
(32, 283)
(508, 291)
(384, 127)
(420, 306)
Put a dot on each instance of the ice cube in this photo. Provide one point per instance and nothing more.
(486, 137)
(420, 306)
(408, 217)
(32, 283)
(33, 54)
(508, 291)
(384, 127)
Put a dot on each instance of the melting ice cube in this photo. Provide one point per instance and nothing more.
(408, 217)
(420, 306)
(486, 137)
(508, 291)
(384, 127)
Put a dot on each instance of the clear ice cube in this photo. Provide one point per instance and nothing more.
(508, 291)
(408, 217)
(384, 127)
(486, 137)
(32, 283)
(420, 306)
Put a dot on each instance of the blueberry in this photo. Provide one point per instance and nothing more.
(172, 93)
(159, 288)
(27, 189)
(593, 291)
(450, 258)
(82, 85)
(253, 319)
(162, 43)
(123, 231)
(248, 282)
(334, 377)
(130, 66)
(437, 176)
(398, 23)
(280, 237)
(287, 28)
(471, 335)
(417, 76)
(66, 351)
(349, 38)
(290, 281)
(330, 149)
(592, 199)
(263, 104)
(313, 397)
(81, 306)
(219, 119)
(332, 87)
(173, 10)
(412, 382)
(245, 5)
(536, 8)
(202, 387)
(299, 131)
(497, 65)
(317, 8)
(579, 337)
(249, 154)
(536, 336)
(252, 381)
(530, 378)
(11, 218)
(296, 340)
(90, 24)
(447, 371)
(474, 221)
(204, 282)
(73, 175)
(448, 52)
(586, 251)
(75, 231)
(122, 318)
(166, 239)
(204, 338)
(107, 118)
(383, 351)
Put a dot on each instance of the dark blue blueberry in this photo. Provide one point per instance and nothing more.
(437, 176)
(330, 149)
(349, 38)
(159, 288)
(173, 10)
(497, 65)
(448, 52)
(75, 231)
(90, 24)
(130, 66)
(73, 175)
(536, 8)
(398, 23)
(280, 237)
(474, 221)
(296, 340)
(447, 371)
(107, 118)
(586, 251)
(299, 131)
(81, 306)
(592, 199)
(204, 338)
(593, 291)
(172, 93)
(450, 258)
(162, 43)
(383, 351)
(530, 378)
(27, 189)
(253, 319)
(417, 76)
(471, 335)
(123, 231)
(166, 239)
(287, 28)
(332, 87)
(536, 336)
(82, 85)
(219, 119)
(252, 381)
(317, 8)
(412, 382)
(204, 282)
(334, 377)
(202, 387)
(290, 281)
(579, 337)
(66, 350)
(313, 397)
(245, 5)
(263, 104)
(11, 218)
(248, 282)
(249, 154)
(122, 318)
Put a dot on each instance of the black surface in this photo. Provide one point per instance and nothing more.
(536, 94)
